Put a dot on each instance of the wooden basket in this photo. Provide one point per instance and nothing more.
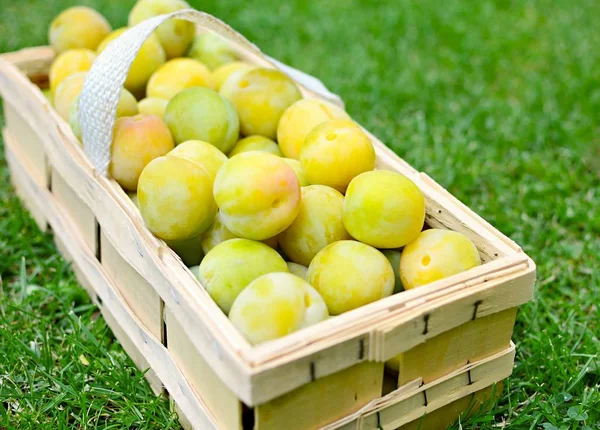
(331, 374)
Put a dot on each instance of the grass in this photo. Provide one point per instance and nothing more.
(499, 101)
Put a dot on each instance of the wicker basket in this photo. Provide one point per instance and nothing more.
(454, 335)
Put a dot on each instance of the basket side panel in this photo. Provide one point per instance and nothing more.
(29, 200)
(455, 348)
(81, 278)
(322, 401)
(82, 216)
(222, 402)
(453, 310)
(137, 292)
(28, 145)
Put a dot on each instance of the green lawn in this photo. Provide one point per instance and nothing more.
(499, 101)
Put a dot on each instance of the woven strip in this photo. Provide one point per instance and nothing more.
(102, 87)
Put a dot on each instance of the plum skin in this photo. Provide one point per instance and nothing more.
(274, 305)
(231, 265)
(350, 274)
(436, 254)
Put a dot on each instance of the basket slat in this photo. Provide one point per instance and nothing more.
(137, 292)
(81, 215)
(29, 146)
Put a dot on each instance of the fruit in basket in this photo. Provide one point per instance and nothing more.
(295, 164)
(212, 50)
(275, 305)
(137, 140)
(318, 224)
(203, 153)
(230, 85)
(189, 250)
(68, 63)
(258, 195)
(127, 106)
(350, 274)
(436, 254)
(299, 119)
(175, 35)
(222, 73)
(154, 106)
(297, 269)
(260, 97)
(175, 198)
(384, 209)
(176, 75)
(78, 27)
(256, 143)
(202, 114)
(149, 58)
(67, 92)
(336, 151)
(393, 256)
(231, 265)
(217, 233)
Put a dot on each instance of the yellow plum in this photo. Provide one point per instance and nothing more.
(384, 209)
(154, 106)
(256, 143)
(175, 35)
(436, 254)
(222, 73)
(202, 114)
(299, 119)
(231, 265)
(350, 274)
(275, 305)
(336, 151)
(216, 234)
(203, 153)
(68, 63)
(137, 140)
(67, 92)
(176, 75)
(212, 50)
(258, 195)
(295, 164)
(260, 97)
(175, 198)
(318, 224)
(77, 27)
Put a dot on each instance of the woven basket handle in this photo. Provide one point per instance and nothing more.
(102, 87)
